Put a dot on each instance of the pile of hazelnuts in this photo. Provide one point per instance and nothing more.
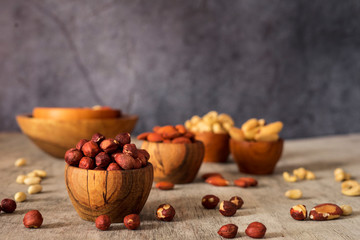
(109, 154)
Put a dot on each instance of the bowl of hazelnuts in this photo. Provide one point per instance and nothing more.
(108, 176)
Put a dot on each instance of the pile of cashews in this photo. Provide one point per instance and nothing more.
(210, 122)
(348, 187)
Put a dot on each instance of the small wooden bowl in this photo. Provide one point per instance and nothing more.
(175, 162)
(55, 137)
(216, 146)
(114, 193)
(256, 157)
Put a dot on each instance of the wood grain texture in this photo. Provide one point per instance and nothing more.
(175, 162)
(265, 203)
(256, 157)
(114, 193)
(55, 137)
(216, 146)
(74, 113)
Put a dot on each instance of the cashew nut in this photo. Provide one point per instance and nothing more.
(293, 194)
(289, 178)
(340, 175)
(300, 173)
(310, 175)
(40, 173)
(350, 188)
(20, 162)
(210, 122)
(32, 180)
(20, 197)
(34, 189)
(20, 179)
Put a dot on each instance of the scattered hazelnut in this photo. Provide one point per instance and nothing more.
(113, 166)
(256, 230)
(130, 149)
(33, 219)
(237, 201)
(165, 212)
(73, 156)
(132, 221)
(103, 222)
(81, 143)
(90, 149)
(227, 208)
(109, 145)
(97, 138)
(164, 185)
(125, 161)
(298, 212)
(86, 163)
(102, 159)
(228, 231)
(123, 138)
(8, 205)
(210, 201)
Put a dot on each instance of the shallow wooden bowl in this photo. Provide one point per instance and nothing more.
(114, 193)
(256, 157)
(216, 146)
(175, 162)
(55, 137)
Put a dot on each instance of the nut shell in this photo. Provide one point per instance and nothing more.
(238, 201)
(33, 219)
(8, 205)
(165, 212)
(103, 222)
(210, 201)
(228, 231)
(256, 230)
(298, 212)
(132, 221)
(227, 208)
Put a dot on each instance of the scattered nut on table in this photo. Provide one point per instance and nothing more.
(340, 175)
(33, 189)
(8, 205)
(103, 222)
(298, 212)
(289, 178)
(350, 188)
(32, 180)
(325, 211)
(165, 212)
(238, 201)
(132, 221)
(347, 210)
(299, 174)
(20, 162)
(20, 179)
(20, 196)
(210, 201)
(227, 208)
(256, 230)
(217, 181)
(228, 231)
(33, 219)
(294, 194)
(164, 185)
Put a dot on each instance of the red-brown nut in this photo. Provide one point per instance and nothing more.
(241, 183)
(256, 230)
(227, 208)
(99, 168)
(325, 211)
(132, 221)
(113, 166)
(228, 231)
(90, 149)
(130, 149)
(97, 138)
(109, 145)
(137, 163)
(103, 222)
(237, 201)
(8, 205)
(33, 219)
(102, 160)
(123, 138)
(180, 140)
(164, 185)
(142, 159)
(165, 212)
(217, 181)
(112, 155)
(144, 153)
(181, 129)
(154, 137)
(81, 143)
(87, 163)
(248, 180)
(212, 174)
(210, 201)
(125, 161)
(298, 212)
(73, 156)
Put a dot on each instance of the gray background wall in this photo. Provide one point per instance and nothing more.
(295, 61)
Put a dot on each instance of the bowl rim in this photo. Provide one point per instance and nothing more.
(254, 142)
(122, 117)
(211, 133)
(196, 142)
(115, 171)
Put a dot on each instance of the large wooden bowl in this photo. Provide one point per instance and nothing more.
(216, 146)
(175, 162)
(256, 157)
(55, 137)
(114, 193)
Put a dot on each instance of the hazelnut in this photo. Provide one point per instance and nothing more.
(109, 145)
(144, 153)
(227, 208)
(237, 201)
(165, 212)
(112, 155)
(210, 201)
(125, 161)
(73, 156)
(90, 149)
(103, 222)
(81, 143)
(130, 149)
(256, 230)
(97, 138)
(142, 159)
(298, 212)
(132, 221)
(123, 138)
(8, 205)
(102, 159)
(137, 163)
(86, 163)
(33, 219)
(113, 166)
(228, 231)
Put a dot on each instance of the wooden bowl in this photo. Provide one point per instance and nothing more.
(55, 137)
(175, 162)
(216, 146)
(256, 157)
(74, 113)
(114, 193)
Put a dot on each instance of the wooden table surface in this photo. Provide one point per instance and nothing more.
(265, 203)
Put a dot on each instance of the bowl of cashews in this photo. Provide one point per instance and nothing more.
(256, 147)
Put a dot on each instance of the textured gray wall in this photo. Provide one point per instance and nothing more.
(295, 61)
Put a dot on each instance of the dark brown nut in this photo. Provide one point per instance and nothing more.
(125, 161)
(73, 156)
(241, 183)
(164, 185)
(102, 160)
(113, 166)
(142, 159)
(109, 145)
(249, 180)
(130, 149)
(97, 138)
(137, 163)
(99, 168)
(8, 205)
(103, 222)
(81, 143)
(87, 163)
(325, 211)
(165, 212)
(298, 212)
(33, 219)
(228, 231)
(132, 221)
(256, 230)
(210, 201)
(112, 155)
(237, 201)
(144, 153)
(123, 138)
(227, 208)
(90, 149)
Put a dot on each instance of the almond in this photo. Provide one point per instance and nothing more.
(164, 185)
(217, 181)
